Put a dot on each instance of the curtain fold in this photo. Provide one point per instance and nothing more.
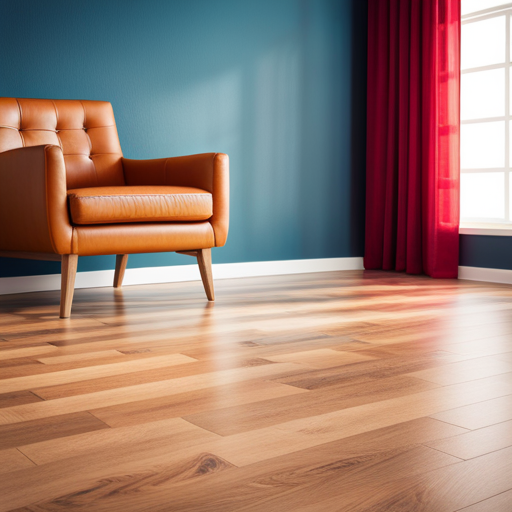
(413, 127)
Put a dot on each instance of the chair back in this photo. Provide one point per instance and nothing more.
(85, 130)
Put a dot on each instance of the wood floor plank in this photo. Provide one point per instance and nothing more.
(241, 345)
(461, 335)
(494, 345)
(8, 365)
(478, 415)
(92, 372)
(37, 368)
(506, 357)
(463, 371)
(80, 357)
(206, 401)
(449, 488)
(116, 441)
(28, 330)
(17, 398)
(48, 428)
(170, 456)
(499, 503)
(151, 375)
(37, 350)
(477, 442)
(251, 416)
(372, 369)
(13, 460)
(321, 358)
(152, 340)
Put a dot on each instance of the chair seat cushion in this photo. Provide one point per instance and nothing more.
(124, 204)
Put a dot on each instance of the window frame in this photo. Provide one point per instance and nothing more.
(495, 227)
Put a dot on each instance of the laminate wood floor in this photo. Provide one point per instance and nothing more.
(339, 391)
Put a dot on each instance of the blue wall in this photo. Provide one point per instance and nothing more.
(279, 85)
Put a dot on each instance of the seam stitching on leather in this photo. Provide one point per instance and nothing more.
(56, 114)
(46, 197)
(143, 195)
(39, 130)
(19, 129)
(56, 131)
(140, 220)
(92, 156)
(60, 143)
(83, 107)
(90, 144)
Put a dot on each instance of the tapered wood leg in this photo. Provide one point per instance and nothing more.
(121, 261)
(67, 283)
(204, 260)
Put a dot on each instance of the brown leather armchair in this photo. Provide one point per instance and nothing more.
(66, 191)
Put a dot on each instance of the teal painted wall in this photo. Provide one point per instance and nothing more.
(279, 85)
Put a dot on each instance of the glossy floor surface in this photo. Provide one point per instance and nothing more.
(342, 391)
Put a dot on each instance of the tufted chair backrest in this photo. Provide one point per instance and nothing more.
(85, 130)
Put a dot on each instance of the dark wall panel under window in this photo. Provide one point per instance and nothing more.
(486, 251)
(278, 85)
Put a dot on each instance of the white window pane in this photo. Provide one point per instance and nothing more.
(482, 94)
(483, 43)
(482, 145)
(482, 195)
(469, 6)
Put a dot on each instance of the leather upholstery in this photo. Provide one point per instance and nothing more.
(33, 212)
(142, 237)
(107, 205)
(50, 147)
(84, 130)
(207, 171)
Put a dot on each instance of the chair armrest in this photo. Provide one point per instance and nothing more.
(33, 203)
(208, 171)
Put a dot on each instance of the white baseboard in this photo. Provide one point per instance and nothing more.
(490, 275)
(179, 273)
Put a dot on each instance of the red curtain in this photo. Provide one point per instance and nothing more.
(412, 188)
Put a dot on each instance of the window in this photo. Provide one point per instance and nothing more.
(486, 112)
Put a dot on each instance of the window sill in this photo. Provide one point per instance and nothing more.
(477, 228)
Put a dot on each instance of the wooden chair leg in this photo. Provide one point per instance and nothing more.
(121, 261)
(67, 283)
(204, 260)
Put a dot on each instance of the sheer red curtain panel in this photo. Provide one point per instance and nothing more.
(413, 133)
